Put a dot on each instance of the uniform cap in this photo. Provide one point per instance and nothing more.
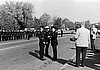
(53, 27)
(47, 27)
(41, 26)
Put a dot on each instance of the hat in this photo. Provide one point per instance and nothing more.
(47, 27)
(53, 27)
(42, 27)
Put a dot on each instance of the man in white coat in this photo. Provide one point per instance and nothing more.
(82, 42)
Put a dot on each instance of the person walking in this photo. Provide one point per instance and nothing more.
(93, 37)
(41, 42)
(54, 42)
(82, 41)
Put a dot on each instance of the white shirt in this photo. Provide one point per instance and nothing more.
(93, 32)
(83, 37)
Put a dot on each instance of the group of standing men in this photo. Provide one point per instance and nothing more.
(83, 38)
(47, 36)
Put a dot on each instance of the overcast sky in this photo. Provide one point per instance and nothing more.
(75, 10)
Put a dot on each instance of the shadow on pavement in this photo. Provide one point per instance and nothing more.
(44, 55)
(62, 61)
(71, 63)
(97, 51)
(93, 61)
(35, 55)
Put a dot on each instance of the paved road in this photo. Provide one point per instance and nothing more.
(11, 58)
(25, 56)
(16, 54)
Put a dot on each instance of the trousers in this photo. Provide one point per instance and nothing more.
(78, 51)
(41, 51)
(92, 44)
(46, 48)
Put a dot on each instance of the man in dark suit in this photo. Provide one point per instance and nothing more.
(41, 42)
(54, 42)
(47, 39)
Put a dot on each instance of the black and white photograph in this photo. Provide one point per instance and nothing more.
(49, 34)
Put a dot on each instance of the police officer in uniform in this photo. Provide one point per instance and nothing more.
(41, 42)
(54, 42)
(47, 39)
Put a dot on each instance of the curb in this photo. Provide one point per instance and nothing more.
(16, 41)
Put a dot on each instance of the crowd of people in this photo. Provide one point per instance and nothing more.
(83, 39)
(6, 36)
(48, 36)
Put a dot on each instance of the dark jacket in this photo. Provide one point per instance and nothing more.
(54, 41)
(47, 36)
(41, 37)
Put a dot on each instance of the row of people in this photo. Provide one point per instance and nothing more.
(6, 36)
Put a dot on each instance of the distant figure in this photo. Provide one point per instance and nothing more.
(61, 33)
(54, 42)
(93, 37)
(82, 42)
(28, 34)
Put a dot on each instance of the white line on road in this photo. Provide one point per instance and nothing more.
(9, 48)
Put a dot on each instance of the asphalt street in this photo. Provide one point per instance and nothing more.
(23, 55)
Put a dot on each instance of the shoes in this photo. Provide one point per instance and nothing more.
(54, 59)
(77, 66)
(46, 55)
(82, 65)
(42, 58)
